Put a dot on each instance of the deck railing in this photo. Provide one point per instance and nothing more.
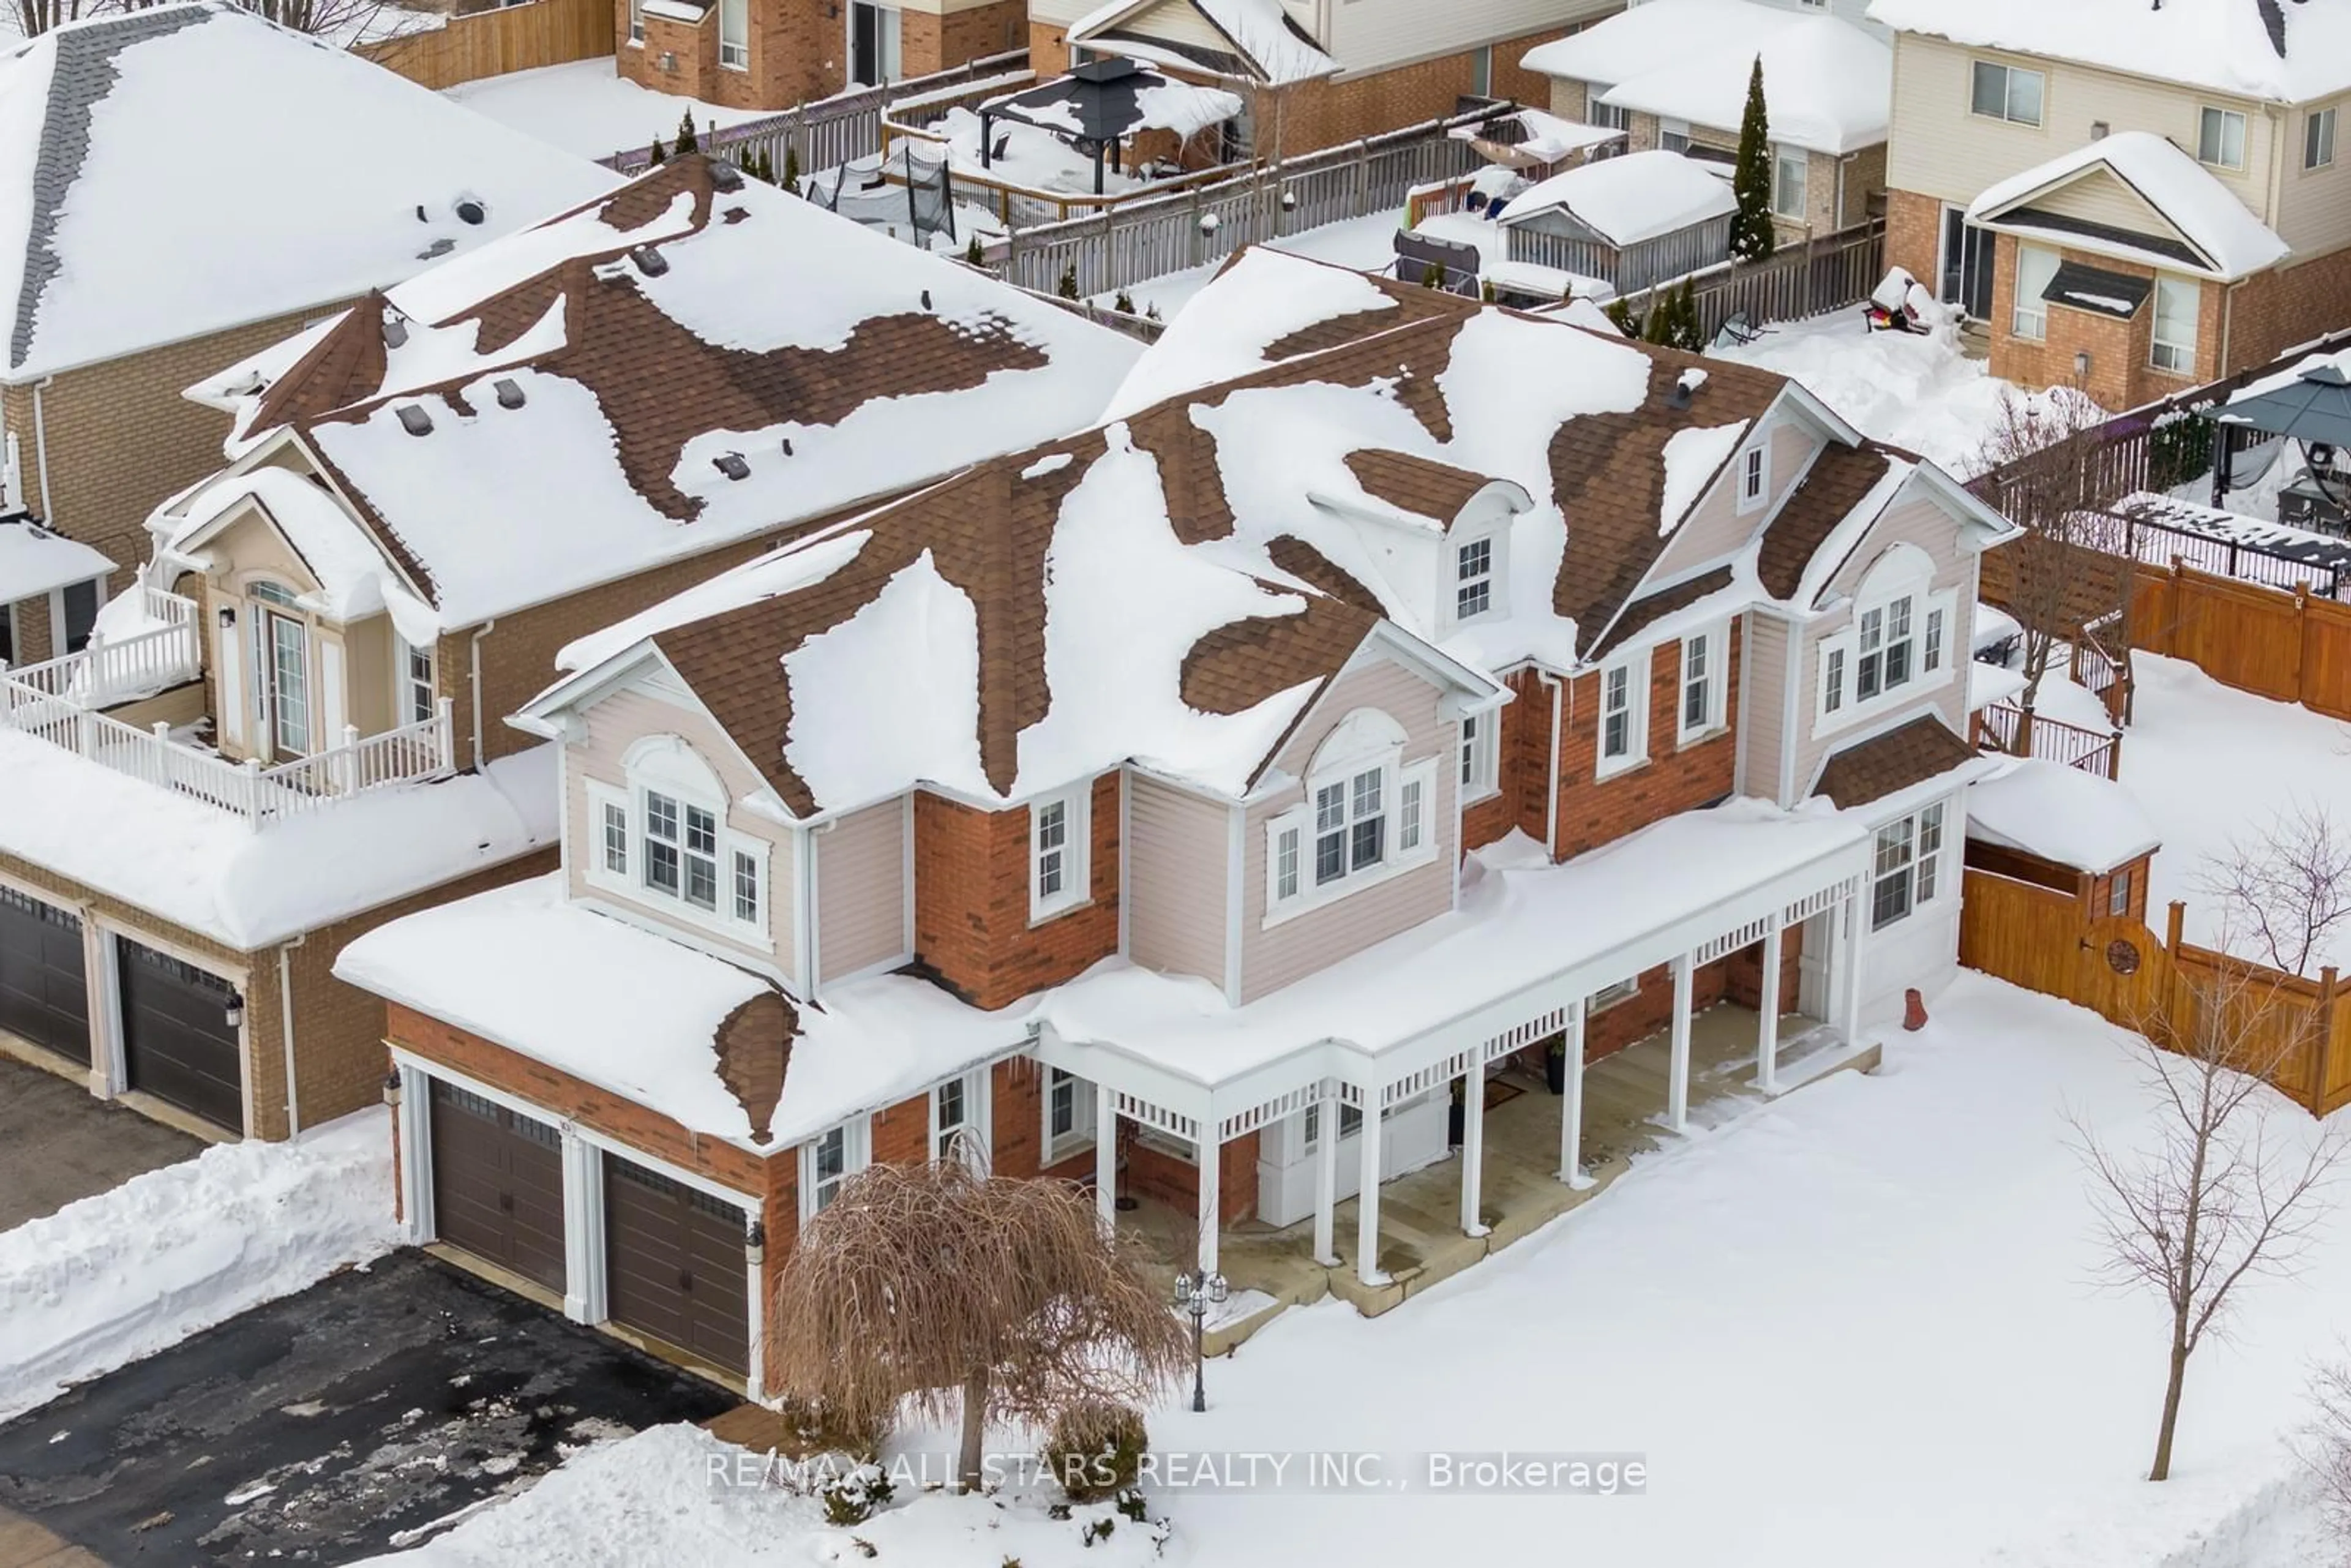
(112, 671)
(1998, 724)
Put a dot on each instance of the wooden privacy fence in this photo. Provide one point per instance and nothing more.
(1824, 273)
(2292, 647)
(2284, 1026)
(1152, 236)
(491, 43)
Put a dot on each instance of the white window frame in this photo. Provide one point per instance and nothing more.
(2118, 892)
(2318, 140)
(1293, 882)
(1754, 472)
(856, 1136)
(629, 881)
(1783, 160)
(1481, 757)
(1907, 871)
(1074, 875)
(1477, 576)
(1674, 135)
(2008, 77)
(735, 35)
(418, 692)
(637, 23)
(1606, 116)
(1923, 654)
(1081, 1133)
(973, 1129)
(2212, 126)
(2170, 353)
(1706, 652)
(1635, 669)
(2030, 321)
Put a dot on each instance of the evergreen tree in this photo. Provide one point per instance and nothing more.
(791, 181)
(1620, 312)
(1124, 304)
(1068, 288)
(1433, 276)
(973, 253)
(660, 157)
(686, 140)
(1659, 327)
(1682, 330)
(1751, 237)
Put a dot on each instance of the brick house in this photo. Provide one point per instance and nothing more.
(1391, 687)
(776, 54)
(2136, 200)
(142, 256)
(425, 498)
(1673, 74)
(1315, 73)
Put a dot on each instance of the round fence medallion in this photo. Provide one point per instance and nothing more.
(2122, 956)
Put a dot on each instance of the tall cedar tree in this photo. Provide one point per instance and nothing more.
(1752, 238)
(686, 140)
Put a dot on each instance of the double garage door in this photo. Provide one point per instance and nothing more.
(44, 992)
(674, 1259)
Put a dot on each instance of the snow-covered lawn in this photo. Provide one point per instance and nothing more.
(122, 1274)
(590, 108)
(1858, 1326)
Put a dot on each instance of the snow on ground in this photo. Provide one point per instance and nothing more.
(588, 108)
(1857, 1326)
(1916, 391)
(1365, 244)
(121, 1275)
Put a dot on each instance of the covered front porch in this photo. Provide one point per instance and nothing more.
(1755, 989)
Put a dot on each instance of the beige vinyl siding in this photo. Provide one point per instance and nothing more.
(1274, 956)
(2315, 204)
(1716, 526)
(1177, 853)
(618, 722)
(1916, 520)
(1763, 707)
(367, 669)
(860, 890)
(2101, 198)
(1941, 149)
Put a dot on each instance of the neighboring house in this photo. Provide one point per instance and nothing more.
(1673, 74)
(428, 495)
(2135, 199)
(777, 54)
(139, 252)
(1392, 686)
(1319, 72)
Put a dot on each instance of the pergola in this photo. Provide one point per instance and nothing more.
(1099, 104)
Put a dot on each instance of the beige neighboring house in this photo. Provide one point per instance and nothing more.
(1316, 73)
(138, 254)
(424, 498)
(1673, 75)
(2136, 198)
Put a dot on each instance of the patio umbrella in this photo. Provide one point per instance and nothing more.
(2316, 405)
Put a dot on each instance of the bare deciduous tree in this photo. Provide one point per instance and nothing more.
(993, 1296)
(2286, 887)
(2218, 1195)
(2055, 485)
(2324, 1448)
(344, 22)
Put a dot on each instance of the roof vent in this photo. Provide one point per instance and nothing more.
(415, 420)
(395, 332)
(1685, 387)
(731, 463)
(926, 299)
(650, 262)
(471, 213)
(787, 447)
(437, 249)
(509, 391)
(421, 216)
(725, 176)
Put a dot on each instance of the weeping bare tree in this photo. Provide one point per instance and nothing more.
(994, 1297)
(2219, 1194)
(2052, 481)
(2324, 1447)
(2286, 887)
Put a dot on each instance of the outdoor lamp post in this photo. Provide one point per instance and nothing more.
(1195, 1294)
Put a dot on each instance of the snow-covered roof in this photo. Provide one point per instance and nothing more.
(1632, 199)
(34, 560)
(2289, 50)
(1261, 41)
(695, 360)
(1533, 136)
(2061, 814)
(355, 578)
(218, 875)
(1827, 84)
(137, 208)
(635, 1013)
(2216, 234)
(1115, 98)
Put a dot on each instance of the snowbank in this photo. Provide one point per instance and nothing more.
(590, 108)
(119, 1276)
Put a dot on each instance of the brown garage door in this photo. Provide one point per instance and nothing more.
(43, 995)
(177, 1042)
(675, 1264)
(497, 1184)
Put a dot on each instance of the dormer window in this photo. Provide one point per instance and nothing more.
(1755, 474)
(1473, 572)
(1367, 814)
(663, 840)
(1893, 647)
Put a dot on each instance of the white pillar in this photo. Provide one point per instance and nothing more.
(1678, 1080)
(1209, 1153)
(1326, 1179)
(1106, 1157)
(1367, 1196)
(1571, 1116)
(1856, 923)
(1767, 1027)
(1473, 1144)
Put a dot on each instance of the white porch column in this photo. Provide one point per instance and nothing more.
(1571, 1116)
(1677, 1078)
(415, 1137)
(1106, 1157)
(1767, 1027)
(583, 1226)
(1856, 926)
(1326, 1179)
(1473, 1144)
(1367, 1195)
(1209, 1153)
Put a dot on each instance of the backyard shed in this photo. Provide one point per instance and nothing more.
(1630, 222)
(2061, 828)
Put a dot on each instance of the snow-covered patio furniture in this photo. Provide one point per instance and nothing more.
(1630, 221)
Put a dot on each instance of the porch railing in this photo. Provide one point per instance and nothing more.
(110, 671)
(1999, 726)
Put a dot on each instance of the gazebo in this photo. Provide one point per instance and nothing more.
(1101, 103)
(2310, 403)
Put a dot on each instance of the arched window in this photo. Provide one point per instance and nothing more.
(664, 840)
(1897, 644)
(1367, 813)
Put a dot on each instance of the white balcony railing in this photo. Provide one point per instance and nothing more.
(113, 670)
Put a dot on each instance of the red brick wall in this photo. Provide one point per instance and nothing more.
(1520, 801)
(971, 900)
(928, 43)
(1594, 811)
(1164, 1178)
(1914, 235)
(2273, 311)
(2120, 375)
